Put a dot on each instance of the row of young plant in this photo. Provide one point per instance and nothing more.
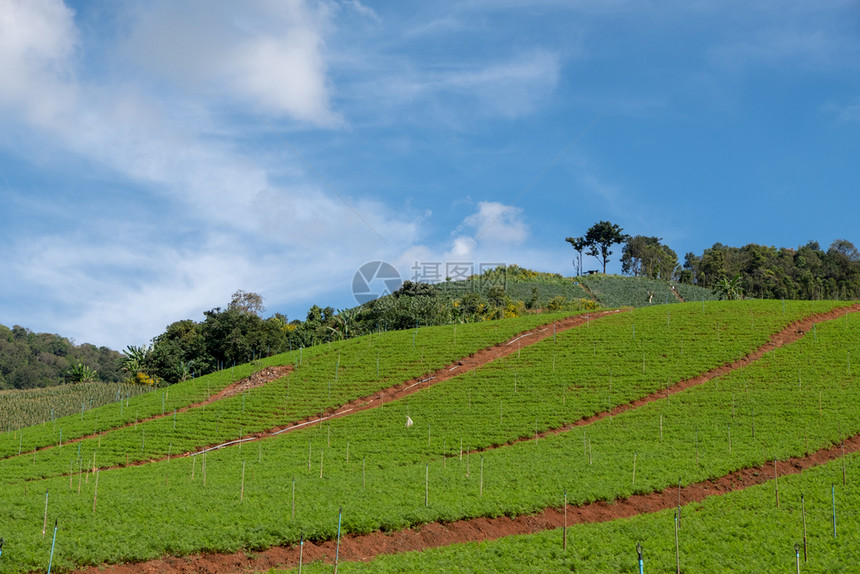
(331, 375)
(128, 411)
(244, 497)
(641, 291)
(26, 407)
(741, 531)
(585, 371)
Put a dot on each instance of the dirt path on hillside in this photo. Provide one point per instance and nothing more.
(411, 386)
(257, 379)
(791, 333)
(589, 292)
(368, 546)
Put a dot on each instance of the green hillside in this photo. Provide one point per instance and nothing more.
(479, 444)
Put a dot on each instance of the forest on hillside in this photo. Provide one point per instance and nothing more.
(759, 271)
(29, 360)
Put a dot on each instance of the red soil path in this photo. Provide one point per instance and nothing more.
(400, 390)
(367, 546)
(257, 379)
(791, 333)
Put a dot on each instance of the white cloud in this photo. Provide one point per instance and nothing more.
(362, 10)
(38, 40)
(268, 55)
(508, 88)
(210, 217)
(847, 112)
(497, 222)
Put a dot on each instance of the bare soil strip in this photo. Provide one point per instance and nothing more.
(789, 334)
(368, 546)
(257, 379)
(473, 361)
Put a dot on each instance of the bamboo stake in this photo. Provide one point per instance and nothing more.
(96, 491)
(803, 513)
(242, 488)
(564, 531)
(482, 476)
(776, 483)
(45, 524)
(634, 466)
(677, 545)
(293, 507)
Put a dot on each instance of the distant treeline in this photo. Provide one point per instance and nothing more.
(29, 360)
(807, 272)
(239, 333)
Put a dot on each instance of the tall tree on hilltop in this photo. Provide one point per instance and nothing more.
(601, 237)
(579, 244)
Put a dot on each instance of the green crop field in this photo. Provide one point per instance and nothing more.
(472, 450)
(23, 408)
(614, 291)
(738, 532)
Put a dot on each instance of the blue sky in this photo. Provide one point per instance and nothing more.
(150, 152)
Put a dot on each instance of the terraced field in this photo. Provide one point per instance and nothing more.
(618, 406)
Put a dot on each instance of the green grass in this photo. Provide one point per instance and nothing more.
(27, 407)
(324, 376)
(144, 512)
(739, 532)
(617, 291)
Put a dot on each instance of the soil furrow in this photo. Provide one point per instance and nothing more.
(789, 334)
(257, 379)
(367, 546)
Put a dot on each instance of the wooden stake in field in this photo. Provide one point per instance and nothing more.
(482, 476)
(301, 548)
(833, 494)
(242, 488)
(322, 453)
(96, 491)
(204, 468)
(45, 524)
(844, 477)
(803, 514)
(426, 485)
(677, 545)
(564, 529)
(634, 466)
(776, 483)
(337, 548)
(193, 466)
(293, 505)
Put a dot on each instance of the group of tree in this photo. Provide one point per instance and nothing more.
(30, 360)
(597, 242)
(807, 272)
(240, 333)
